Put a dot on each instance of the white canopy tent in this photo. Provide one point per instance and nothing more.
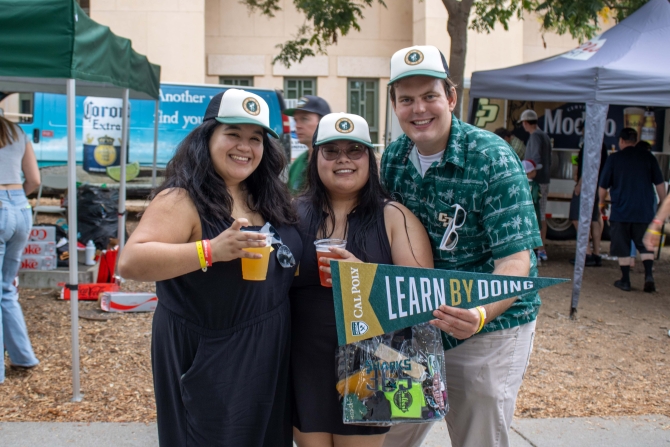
(627, 65)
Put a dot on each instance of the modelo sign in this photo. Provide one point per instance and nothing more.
(562, 122)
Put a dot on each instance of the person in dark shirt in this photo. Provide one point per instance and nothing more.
(627, 174)
(538, 149)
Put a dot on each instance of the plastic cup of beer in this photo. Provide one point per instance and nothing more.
(257, 269)
(323, 251)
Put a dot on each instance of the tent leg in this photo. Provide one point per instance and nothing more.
(72, 228)
(594, 129)
(122, 186)
(153, 169)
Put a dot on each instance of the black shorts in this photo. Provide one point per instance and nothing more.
(621, 233)
(574, 208)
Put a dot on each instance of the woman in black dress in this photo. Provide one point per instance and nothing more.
(344, 200)
(220, 344)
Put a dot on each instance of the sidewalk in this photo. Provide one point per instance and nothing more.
(647, 431)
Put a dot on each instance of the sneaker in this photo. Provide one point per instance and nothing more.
(597, 260)
(649, 284)
(542, 255)
(619, 284)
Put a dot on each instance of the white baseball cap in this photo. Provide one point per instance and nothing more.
(529, 166)
(528, 115)
(342, 126)
(419, 60)
(235, 106)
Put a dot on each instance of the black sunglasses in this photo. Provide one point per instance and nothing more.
(353, 151)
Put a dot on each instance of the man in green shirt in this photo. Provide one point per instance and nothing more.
(471, 193)
(307, 114)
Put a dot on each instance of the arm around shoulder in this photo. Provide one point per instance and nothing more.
(410, 245)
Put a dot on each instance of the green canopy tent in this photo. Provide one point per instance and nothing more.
(53, 46)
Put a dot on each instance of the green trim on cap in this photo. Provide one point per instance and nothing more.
(430, 73)
(289, 112)
(343, 137)
(242, 120)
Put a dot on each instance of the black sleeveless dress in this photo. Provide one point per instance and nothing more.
(316, 406)
(220, 354)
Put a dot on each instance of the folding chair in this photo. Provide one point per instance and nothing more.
(56, 182)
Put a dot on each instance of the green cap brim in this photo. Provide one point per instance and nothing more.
(430, 73)
(241, 120)
(289, 112)
(342, 137)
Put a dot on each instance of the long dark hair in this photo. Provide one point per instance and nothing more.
(192, 169)
(370, 206)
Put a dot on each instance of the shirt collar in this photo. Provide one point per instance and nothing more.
(454, 152)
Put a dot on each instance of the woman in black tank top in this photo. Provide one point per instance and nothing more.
(220, 344)
(344, 200)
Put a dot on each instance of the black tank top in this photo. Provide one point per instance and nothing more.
(377, 249)
(219, 298)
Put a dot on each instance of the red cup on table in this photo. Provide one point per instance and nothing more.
(323, 251)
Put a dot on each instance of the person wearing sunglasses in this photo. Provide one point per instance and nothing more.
(344, 200)
(220, 344)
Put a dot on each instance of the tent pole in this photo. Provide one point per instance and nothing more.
(594, 130)
(153, 169)
(72, 236)
(122, 186)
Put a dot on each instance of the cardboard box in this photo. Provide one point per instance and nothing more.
(89, 292)
(40, 249)
(43, 233)
(128, 302)
(38, 263)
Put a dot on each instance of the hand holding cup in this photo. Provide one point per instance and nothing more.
(230, 244)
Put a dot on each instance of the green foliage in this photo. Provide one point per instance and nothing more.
(579, 18)
(328, 20)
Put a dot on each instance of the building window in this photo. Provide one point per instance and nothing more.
(85, 5)
(18, 107)
(363, 100)
(294, 88)
(240, 82)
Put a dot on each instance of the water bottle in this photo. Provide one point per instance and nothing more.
(90, 253)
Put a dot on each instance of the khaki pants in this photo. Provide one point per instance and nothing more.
(484, 375)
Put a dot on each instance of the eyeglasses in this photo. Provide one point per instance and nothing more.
(352, 151)
(284, 255)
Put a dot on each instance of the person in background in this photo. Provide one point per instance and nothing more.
(538, 149)
(512, 140)
(593, 258)
(307, 114)
(16, 220)
(344, 200)
(531, 172)
(220, 344)
(628, 174)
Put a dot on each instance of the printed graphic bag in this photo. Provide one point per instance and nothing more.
(393, 378)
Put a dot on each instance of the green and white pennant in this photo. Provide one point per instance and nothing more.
(373, 299)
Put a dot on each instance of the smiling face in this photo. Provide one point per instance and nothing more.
(236, 151)
(424, 111)
(343, 176)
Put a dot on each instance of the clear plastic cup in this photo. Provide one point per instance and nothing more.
(323, 251)
(257, 269)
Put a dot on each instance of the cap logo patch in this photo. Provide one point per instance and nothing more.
(251, 106)
(344, 125)
(302, 102)
(413, 57)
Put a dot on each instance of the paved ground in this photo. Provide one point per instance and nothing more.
(639, 431)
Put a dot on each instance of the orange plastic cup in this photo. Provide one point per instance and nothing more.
(257, 269)
(323, 251)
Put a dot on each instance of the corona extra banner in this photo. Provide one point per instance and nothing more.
(373, 299)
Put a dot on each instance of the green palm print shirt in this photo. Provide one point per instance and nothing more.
(482, 174)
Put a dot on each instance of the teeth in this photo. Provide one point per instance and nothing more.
(237, 157)
(344, 171)
(422, 122)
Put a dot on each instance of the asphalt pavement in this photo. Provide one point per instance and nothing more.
(637, 431)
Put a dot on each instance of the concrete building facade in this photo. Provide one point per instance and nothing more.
(220, 41)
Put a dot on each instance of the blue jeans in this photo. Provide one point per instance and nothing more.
(15, 223)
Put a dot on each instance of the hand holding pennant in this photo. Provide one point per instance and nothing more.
(373, 299)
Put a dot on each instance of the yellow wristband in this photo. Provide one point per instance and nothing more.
(657, 233)
(482, 320)
(201, 256)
